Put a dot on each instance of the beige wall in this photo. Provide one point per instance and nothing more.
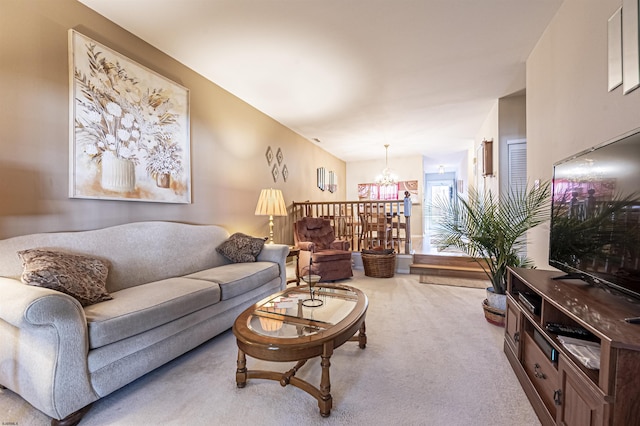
(568, 106)
(228, 137)
(505, 121)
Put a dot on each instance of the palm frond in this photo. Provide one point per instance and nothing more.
(492, 229)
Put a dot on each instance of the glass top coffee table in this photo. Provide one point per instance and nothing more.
(281, 328)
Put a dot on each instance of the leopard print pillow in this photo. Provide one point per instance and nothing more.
(79, 276)
(241, 248)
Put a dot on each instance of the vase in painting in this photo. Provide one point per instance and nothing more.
(118, 174)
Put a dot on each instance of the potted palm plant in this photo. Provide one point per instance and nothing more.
(492, 230)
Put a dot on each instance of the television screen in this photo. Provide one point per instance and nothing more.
(595, 215)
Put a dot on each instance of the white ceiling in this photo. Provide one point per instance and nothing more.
(420, 75)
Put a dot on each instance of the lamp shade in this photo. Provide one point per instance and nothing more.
(271, 203)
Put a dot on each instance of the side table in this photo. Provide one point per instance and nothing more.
(295, 252)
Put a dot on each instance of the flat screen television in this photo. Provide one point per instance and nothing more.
(595, 215)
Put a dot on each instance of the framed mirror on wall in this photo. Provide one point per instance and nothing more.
(320, 175)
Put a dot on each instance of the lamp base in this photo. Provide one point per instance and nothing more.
(270, 229)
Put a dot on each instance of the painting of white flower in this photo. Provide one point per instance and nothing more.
(130, 128)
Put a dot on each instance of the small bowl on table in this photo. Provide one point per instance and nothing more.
(312, 280)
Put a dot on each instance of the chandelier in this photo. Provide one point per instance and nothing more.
(387, 177)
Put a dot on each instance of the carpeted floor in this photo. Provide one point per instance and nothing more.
(431, 359)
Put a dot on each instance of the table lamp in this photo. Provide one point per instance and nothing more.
(271, 203)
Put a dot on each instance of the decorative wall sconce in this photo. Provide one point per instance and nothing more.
(487, 158)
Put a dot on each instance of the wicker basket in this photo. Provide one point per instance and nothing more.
(379, 265)
(493, 315)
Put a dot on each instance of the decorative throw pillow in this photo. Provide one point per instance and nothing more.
(241, 248)
(79, 276)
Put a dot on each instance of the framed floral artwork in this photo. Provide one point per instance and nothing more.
(129, 128)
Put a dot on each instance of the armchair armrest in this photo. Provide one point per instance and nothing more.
(340, 245)
(307, 246)
(44, 348)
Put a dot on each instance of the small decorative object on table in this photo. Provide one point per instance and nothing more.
(311, 280)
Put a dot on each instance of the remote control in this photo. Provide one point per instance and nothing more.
(568, 330)
(633, 320)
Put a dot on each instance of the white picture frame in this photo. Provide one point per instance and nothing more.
(630, 46)
(129, 128)
(614, 49)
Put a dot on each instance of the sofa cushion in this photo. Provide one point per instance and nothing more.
(79, 276)
(241, 248)
(235, 279)
(144, 307)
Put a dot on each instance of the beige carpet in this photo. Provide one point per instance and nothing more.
(431, 359)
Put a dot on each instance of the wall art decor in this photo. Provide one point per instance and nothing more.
(129, 128)
(630, 46)
(274, 172)
(285, 173)
(320, 174)
(269, 155)
(332, 187)
(376, 191)
(614, 48)
(279, 156)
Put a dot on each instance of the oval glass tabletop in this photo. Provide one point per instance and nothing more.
(285, 315)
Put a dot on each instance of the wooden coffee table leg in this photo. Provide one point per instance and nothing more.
(241, 372)
(325, 402)
(362, 336)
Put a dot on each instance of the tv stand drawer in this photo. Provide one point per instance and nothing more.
(541, 371)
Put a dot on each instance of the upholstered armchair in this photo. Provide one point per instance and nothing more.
(330, 258)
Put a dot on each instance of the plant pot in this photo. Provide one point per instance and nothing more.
(498, 301)
(493, 315)
(163, 180)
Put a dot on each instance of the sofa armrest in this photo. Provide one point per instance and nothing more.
(276, 253)
(340, 245)
(44, 348)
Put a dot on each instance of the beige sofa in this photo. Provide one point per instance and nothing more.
(171, 292)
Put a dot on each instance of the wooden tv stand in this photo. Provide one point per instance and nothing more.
(563, 391)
